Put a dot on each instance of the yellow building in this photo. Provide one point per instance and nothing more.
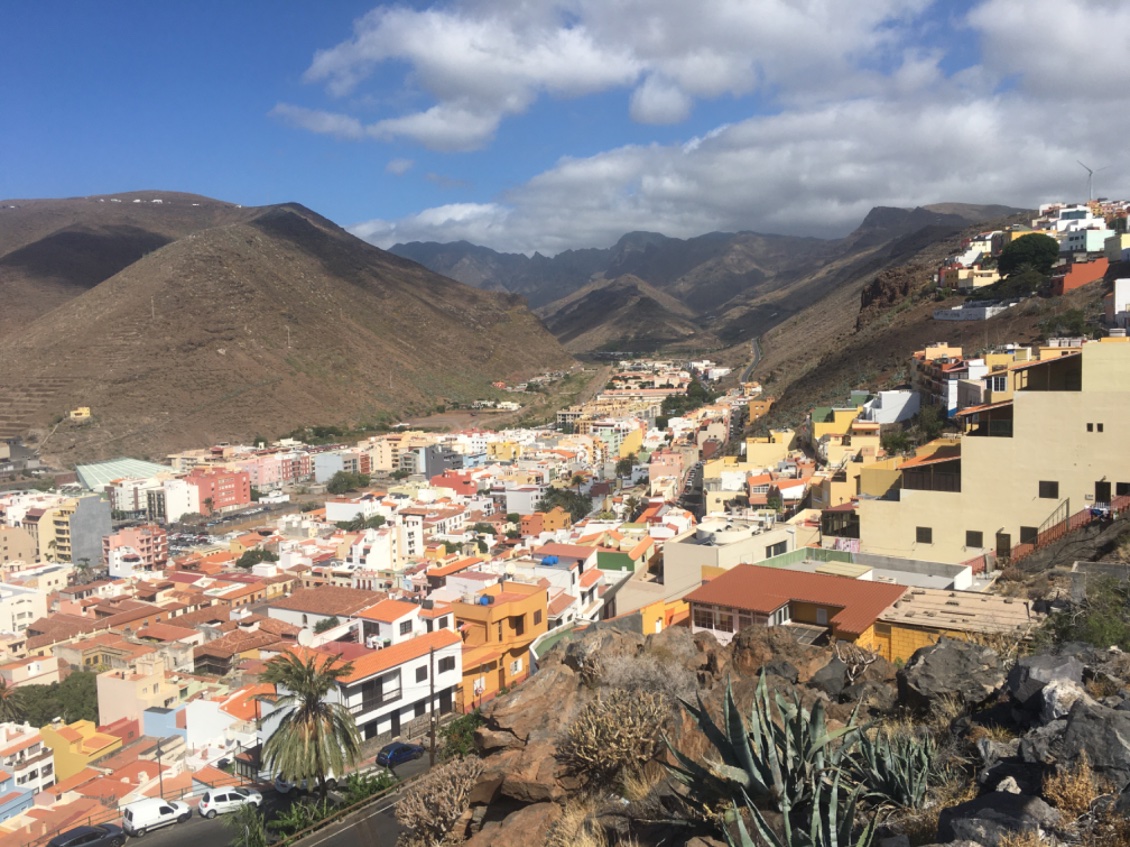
(80, 415)
(923, 615)
(828, 421)
(768, 451)
(75, 745)
(497, 636)
(1022, 466)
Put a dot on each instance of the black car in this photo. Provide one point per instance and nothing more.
(102, 835)
(397, 753)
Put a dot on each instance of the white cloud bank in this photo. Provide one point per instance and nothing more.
(846, 106)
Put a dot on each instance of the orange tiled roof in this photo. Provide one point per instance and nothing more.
(764, 590)
(378, 661)
(388, 611)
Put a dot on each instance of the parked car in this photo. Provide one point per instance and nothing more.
(220, 800)
(102, 835)
(397, 753)
(285, 786)
(153, 813)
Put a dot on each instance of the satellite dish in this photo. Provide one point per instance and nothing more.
(510, 569)
(305, 637)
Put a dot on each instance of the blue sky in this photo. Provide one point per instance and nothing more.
(549, 125)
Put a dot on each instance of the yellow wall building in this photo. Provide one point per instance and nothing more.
(76, 745)
(1056, 449)
(497, 637)
(768, 451)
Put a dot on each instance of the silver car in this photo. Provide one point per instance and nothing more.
(220, 800)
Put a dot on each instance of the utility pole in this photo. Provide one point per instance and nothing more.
(432, 702)
(160, 771)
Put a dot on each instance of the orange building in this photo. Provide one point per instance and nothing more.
(497, 632)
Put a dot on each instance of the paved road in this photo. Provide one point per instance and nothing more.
(748, 372)
(373, 826)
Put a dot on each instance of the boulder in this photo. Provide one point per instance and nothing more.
(831, 679)
(951, 668)
(529, 825)
(988, 818)
(785, 670)
(1030, 674)
(536, 710)
(1058, 697)
(1103, 734)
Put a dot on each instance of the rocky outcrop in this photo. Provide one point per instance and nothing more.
(951, 668)
(529, 825)
(990, 817)
(1103, 734)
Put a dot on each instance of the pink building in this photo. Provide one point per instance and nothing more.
(220, 489)
(150, 543)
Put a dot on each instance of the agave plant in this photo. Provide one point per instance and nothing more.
(773, 762)
(894, 769)
(832, 822)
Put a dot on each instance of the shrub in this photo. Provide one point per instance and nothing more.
(618, 731)
(430, 809)
(656, 674)
(248, 826)
(457, 737)
(361, 786)
(1074, 790)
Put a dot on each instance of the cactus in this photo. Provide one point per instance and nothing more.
(770, 762)
(894, 769)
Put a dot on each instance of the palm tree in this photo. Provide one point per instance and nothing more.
(314, 737)
(11, 703)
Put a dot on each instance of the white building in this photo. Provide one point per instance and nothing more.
(888, 407)
(19, 606)
(25, 757)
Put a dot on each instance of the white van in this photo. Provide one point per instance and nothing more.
(153, 813)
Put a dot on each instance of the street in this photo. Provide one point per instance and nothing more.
(375, 824)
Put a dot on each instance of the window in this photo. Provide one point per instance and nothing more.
(442, 622)
(1049, 489)
(1099, 427)
(446, 664)
(924, 534)
(405, 627)
(537, 617)
(516, 666)
(421, 673)
(519, 623)
(882, 629)
(1029, 534)
(778, 549)
(1090, 427)
(1000, 383)
(703, 618)
(974, 538)
(1121, 489)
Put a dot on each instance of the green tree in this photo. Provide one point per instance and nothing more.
(576, 504)
(315, 736)
(252, 557)
(929, 422)
(1037, 251)
(11, 702)
(208, 504)
(256, 494)
(625, 465)
(344, 481)
(359, 523)
(896, 442)
(75, 698)
(248, 826)
(327, 623)
(513, 517)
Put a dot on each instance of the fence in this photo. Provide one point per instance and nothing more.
(1073, 523)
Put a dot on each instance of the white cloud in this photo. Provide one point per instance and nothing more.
(865, 114)
(658, 101)
(326, 123)
(476, 63)
(399, 167)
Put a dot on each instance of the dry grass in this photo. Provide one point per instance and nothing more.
(921, 825)
(993, 731)
(636, 784)
(1075, 791)
(943, 713)
(579, 826)
(1020, 839)
(1102, 686)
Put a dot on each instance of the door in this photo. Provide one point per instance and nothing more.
(1004, 545)
(1102, 493)
(395, 730)
(821, 617)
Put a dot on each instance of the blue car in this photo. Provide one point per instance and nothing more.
(397, 753)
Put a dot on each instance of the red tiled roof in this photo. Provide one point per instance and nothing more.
(590, 578)
(764, 590)
(329, 600)
(560, 603)
(378, 661)
(388, 611)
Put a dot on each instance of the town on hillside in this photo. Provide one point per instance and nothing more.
(143, 605)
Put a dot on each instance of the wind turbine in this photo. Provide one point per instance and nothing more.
(1091, 179)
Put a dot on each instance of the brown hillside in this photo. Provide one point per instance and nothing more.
(862, 334)
(190, 344)
(53, 250)
(623, 314)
